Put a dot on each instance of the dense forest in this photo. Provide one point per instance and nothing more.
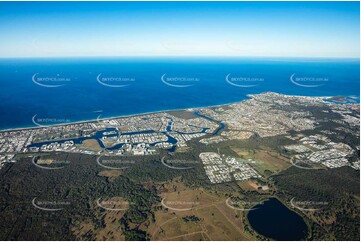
(336, 190)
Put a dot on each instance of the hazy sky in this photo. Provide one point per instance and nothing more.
(294, 29)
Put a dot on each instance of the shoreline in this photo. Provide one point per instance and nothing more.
(249, 96)
(116, 117)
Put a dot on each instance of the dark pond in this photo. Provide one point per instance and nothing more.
(274, 220)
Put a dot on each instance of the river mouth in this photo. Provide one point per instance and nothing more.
(274, 220)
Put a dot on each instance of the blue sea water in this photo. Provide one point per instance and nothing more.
(61, 90)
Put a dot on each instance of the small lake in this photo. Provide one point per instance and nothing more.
(274, 220)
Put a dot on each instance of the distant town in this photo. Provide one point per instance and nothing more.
(264, 115)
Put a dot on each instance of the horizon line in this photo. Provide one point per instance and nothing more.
(177, 56)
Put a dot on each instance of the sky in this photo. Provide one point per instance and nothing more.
(259, 29)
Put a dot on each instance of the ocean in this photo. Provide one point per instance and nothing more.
(40, 92)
